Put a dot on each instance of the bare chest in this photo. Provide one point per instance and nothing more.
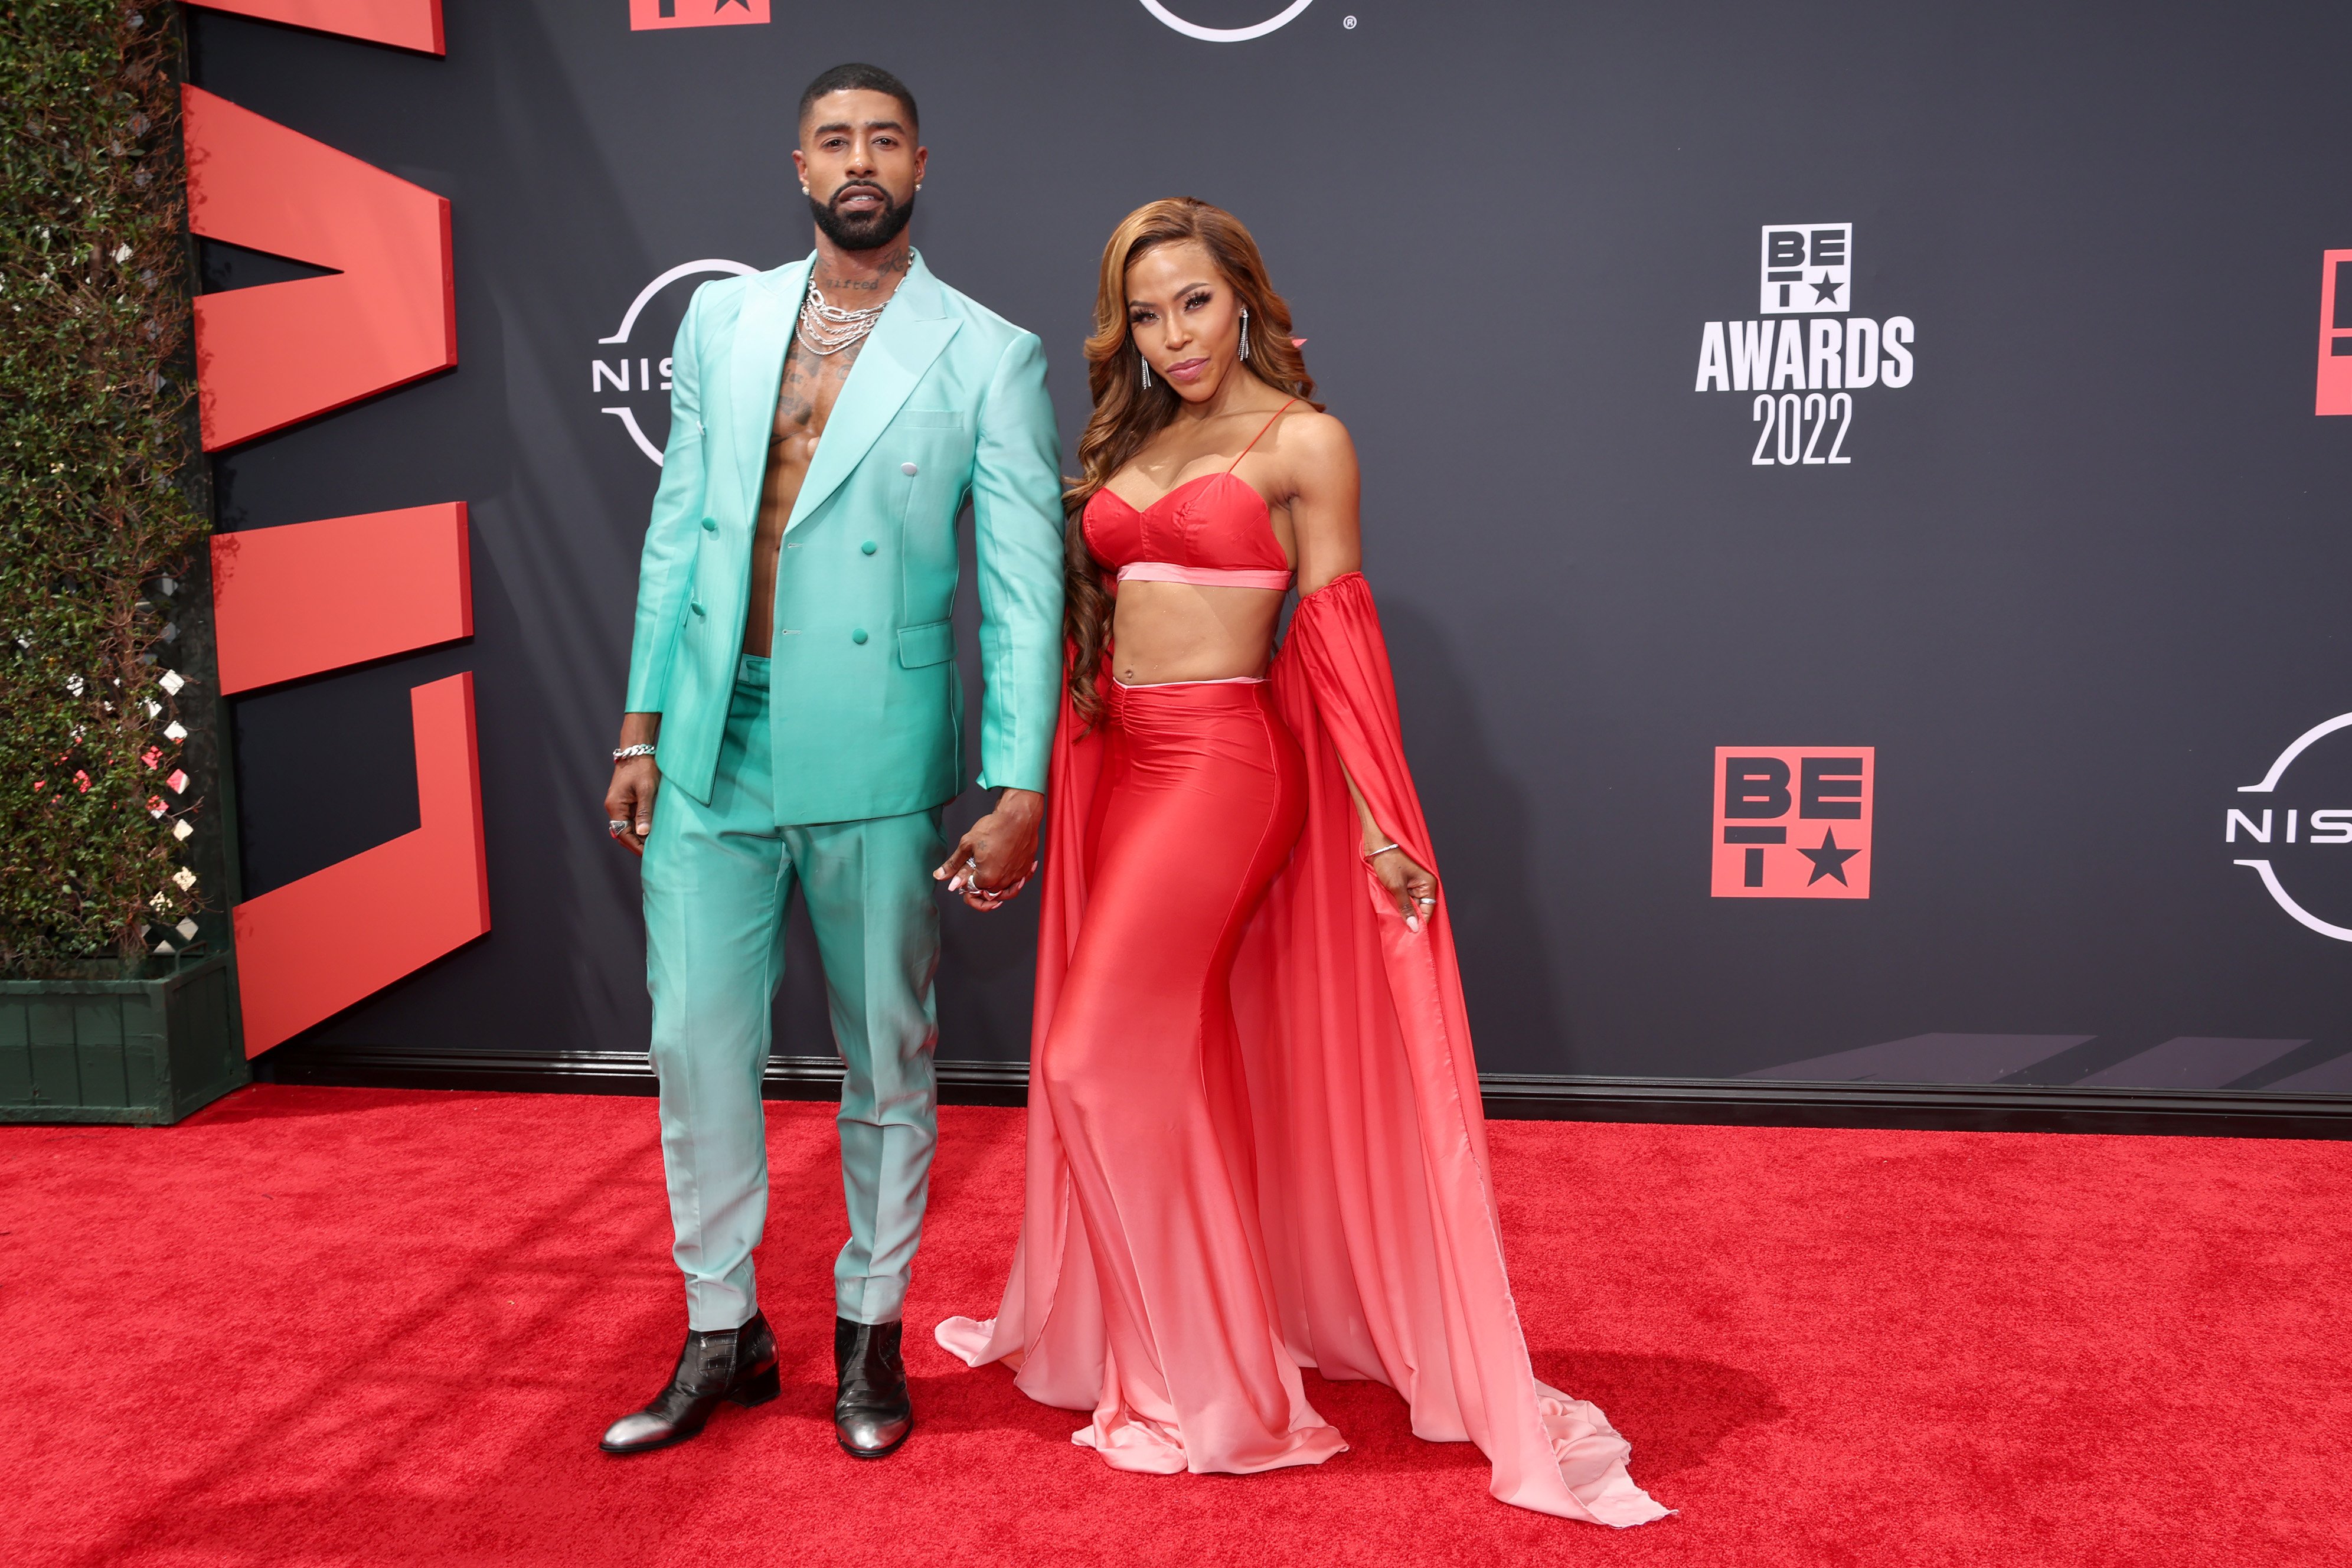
(812, 386)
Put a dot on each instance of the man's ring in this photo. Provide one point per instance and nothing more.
(617, 826)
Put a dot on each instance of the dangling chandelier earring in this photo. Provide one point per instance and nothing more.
(1147, 367)
(1245, 332)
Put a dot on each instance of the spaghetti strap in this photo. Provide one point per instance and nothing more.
(1259, 437)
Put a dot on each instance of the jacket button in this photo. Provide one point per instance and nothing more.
(908, 469)
(867, 547)
(858, 635)
(709, 526)
(697, 607)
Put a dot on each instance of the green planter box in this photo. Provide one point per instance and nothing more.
(147, 1048)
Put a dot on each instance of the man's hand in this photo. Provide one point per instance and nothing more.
(994, 859)
(629, 801)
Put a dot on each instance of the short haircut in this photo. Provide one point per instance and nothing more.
(855, 77)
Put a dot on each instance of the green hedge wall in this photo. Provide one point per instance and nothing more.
(102, 503)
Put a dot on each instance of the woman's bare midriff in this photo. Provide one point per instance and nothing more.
(1179, 631)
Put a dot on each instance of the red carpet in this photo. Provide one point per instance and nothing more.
(344, 1326)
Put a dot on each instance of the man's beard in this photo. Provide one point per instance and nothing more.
(866, 231)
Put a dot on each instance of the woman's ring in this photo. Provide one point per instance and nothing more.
(1425, 900)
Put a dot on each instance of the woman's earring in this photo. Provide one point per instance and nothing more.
(1145, 364)
(1245, 332)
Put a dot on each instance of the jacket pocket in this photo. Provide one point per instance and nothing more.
(931, 643)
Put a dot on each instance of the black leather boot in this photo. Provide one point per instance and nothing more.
(726, 1364)
(871, 1413)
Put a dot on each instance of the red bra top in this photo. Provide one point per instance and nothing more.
(1212, 530)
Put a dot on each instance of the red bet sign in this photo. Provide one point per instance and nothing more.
(1792, 822)
(644, 13)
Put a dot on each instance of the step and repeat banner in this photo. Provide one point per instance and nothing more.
(1860, 496)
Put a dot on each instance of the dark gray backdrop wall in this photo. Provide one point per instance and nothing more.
(2078, 584)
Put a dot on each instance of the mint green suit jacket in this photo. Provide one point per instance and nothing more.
(946, 403)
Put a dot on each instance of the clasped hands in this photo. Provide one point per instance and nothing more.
(995, 857)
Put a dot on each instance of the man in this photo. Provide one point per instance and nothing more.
(794, 666)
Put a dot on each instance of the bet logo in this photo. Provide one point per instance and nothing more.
(1804, 366)
(1792, 822)
(1807, 268)
(2336, 332)
(648, 13)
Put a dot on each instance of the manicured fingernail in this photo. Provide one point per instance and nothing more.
(1410, 924)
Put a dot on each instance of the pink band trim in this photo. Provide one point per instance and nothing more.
(1202, 576)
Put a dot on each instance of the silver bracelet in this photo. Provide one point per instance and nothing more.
(1382, 851)
(625, 752)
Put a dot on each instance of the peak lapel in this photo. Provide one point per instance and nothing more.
(915, 326)
(764, 331)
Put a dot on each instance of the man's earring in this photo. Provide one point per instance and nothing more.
(1245, 332)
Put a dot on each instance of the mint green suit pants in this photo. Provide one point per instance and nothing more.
(717, 879)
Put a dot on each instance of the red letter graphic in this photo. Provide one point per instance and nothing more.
(407, 24)
(315, 596)
(291, 602)
(2336, 332)
(269, 356)
(313, 947)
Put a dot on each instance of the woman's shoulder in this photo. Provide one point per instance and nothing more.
(1305, 434)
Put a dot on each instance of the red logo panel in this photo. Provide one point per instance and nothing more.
(1793, 822)
(405, 24)
(644, 13)
(2336, 332)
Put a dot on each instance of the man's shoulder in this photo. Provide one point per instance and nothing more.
(988, 326)
(720, 299)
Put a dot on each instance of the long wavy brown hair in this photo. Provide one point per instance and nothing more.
(1128, 414)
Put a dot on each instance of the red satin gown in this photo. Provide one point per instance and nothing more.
(1254, 1136)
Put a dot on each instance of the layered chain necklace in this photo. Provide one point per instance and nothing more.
(826, 329)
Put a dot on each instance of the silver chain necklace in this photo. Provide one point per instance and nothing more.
(826, 329)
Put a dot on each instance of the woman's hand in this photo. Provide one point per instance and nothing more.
(1412, 889)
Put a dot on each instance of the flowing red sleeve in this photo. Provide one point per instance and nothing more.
(1375, 1187)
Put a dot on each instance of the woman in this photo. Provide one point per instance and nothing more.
(1255, 1134)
